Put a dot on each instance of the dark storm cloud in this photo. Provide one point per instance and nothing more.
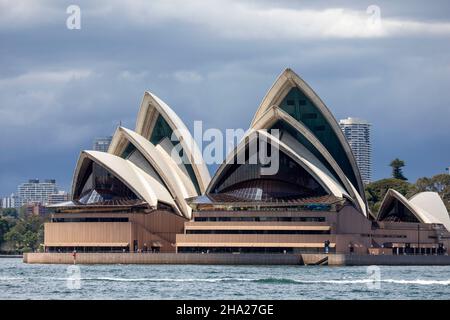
(214, 62)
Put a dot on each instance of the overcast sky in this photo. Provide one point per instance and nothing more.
(214, 61)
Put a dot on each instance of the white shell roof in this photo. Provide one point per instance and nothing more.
(281, 87)
(169, 182)
(432, 204)
(274, 113)
(426, 206)
(178, 184)
(143, 185)
(151, 108)
(310, 165)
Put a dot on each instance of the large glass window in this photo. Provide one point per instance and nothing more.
(397, 212)
(128, 150)
(132, 154)
(258, 232)
(302, 110)
(91, 219)
(162, 131)
(260, 219)
(283, 126)
(245, 182)
(98, 185)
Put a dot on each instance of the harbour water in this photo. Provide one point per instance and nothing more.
(33, 281)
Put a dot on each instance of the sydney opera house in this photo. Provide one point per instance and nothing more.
(152, 191)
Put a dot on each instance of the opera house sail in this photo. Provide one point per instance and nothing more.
(132, 198)
(152, 190)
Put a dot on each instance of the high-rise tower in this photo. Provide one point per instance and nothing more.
(357, 132)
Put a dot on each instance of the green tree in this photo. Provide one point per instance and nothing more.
(439, 183)
(22, 212)
(26, 234)
(376, 191)
(11, 212)
(423, 184)
(397, 166)
(5, 225)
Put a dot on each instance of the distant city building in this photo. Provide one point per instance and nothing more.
(9, 202)
(36, 191)
(59, 197)
(357, 132)
(35, 209)
(101, 144)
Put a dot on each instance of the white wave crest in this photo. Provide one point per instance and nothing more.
(422, 282)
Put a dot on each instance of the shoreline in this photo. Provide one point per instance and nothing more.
(236, 259)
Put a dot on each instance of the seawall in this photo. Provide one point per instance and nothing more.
(163, 258)
(233, 259)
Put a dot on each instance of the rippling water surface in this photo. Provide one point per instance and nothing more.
(24, 281)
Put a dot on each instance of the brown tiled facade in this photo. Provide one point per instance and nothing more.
(292, 231)
(92, 231)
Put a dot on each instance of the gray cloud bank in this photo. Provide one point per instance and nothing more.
(214, 61)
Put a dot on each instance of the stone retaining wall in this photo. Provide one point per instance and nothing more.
(232, 259)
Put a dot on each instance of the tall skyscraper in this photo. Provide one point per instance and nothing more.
(36, 191)
(101, 144)
(357, 132)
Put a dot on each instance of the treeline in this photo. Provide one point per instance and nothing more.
(376, 190)
(20, 232)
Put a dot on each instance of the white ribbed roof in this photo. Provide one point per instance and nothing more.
(151, 108)
(281, 87)
(432, 204)
(275, 113)
(309, 163)
(177, 182)
(143, 185)
(427, 207)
